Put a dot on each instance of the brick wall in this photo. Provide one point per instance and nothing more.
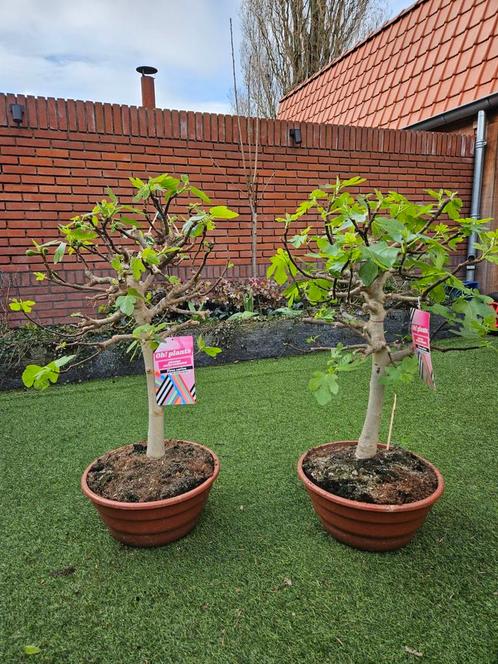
(65, 153)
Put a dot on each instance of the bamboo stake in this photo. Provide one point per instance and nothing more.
(391, 422)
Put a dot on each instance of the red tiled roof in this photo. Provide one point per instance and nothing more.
(435, 56)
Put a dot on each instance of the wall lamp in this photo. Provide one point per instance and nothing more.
(17, 112)
(295, 134)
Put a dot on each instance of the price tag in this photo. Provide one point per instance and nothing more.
(421, 340)
(174, 372)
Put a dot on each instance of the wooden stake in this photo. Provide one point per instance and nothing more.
(391, 422)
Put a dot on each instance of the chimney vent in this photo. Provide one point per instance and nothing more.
(147, 82)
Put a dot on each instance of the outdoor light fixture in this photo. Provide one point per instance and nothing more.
(17, 112)
(295, 134)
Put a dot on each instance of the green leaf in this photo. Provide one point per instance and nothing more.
(355, 180)
(280, 267)
(29, 374)
(22, 305)
(324, 386)
(222, 212)
(150, 256)
(111, 194)
(137, 183)
(31, 650)
(59, 252)
(242, 315)
(200, 194)
(212, 351)
(392, 227)
(368, 272)
(116, 263)
(196, 224)
(287, 311)
(143, 331)
(298, 240)
(128, 221)
(137, 267)
(438, 294)
(40, 377)
(173, 279)
(404, 372)
(135, 293)
(434, 194)
(126, 303)
(81, 235)
(318, 193)
(452, 209)
(62, 361)
(317, 290)
(164, 181)
(40, 276)
(381, 253)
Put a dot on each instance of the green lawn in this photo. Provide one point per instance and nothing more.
(258, 581)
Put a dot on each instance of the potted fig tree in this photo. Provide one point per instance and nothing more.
(359, 257)
(149, 493)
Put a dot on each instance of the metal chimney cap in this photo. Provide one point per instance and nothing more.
(146, 71)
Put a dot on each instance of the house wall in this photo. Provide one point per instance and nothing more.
(65, 153)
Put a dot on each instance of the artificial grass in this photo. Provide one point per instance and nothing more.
(258, 581)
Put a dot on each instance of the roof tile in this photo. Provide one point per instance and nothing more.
(478, 14)
(435, 56)
(490, 10)
(488, 71)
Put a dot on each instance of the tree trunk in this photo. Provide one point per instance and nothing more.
(155, 435)
(254, 240)
(374, 304)
(367, 444)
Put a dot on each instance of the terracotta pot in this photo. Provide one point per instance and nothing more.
(154, 523)
(364, 525)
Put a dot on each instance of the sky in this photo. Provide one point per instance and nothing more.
(89, 49)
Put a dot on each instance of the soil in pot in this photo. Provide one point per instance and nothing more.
(129, 475)
(392, 477)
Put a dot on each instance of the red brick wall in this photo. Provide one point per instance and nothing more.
(65, 153)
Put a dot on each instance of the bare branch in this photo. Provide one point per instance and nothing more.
(286, 41)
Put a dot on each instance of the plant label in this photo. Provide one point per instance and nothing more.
(421, 340)
(174, 372)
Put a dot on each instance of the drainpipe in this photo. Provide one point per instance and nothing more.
(475, 205)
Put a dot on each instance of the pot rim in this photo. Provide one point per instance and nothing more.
(152, 504)
(369, 507)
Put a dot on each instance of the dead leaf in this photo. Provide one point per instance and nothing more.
(65, 571)
(287, 582)
(412, 651)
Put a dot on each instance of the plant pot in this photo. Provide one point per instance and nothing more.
(364, 525)
(153, 523)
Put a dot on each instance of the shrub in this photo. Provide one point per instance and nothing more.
(139, 300)
(364, 254)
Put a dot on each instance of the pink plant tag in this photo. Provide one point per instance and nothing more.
(421, 340)
(174, 372)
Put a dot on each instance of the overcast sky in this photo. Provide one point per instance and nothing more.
(89, 49)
